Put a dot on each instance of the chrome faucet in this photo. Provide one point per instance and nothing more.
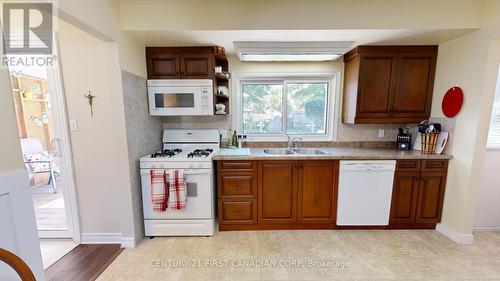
(293, 142)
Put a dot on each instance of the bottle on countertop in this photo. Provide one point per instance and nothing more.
(234, 140)
(239, 141)
(244, 141)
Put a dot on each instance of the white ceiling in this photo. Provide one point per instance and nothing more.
(225, 38)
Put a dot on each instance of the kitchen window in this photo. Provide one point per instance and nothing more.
(494, 132)
(271, 107)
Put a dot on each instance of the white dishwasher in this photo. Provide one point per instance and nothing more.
(365, 192)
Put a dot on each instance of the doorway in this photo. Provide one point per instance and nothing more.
(42, 122)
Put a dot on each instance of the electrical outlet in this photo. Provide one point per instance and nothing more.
(381, 133)
(224, 134)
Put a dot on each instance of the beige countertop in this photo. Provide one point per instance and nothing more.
(331, 153)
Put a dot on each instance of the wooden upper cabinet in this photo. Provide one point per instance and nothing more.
(388, 84)
(163, 66)
(316, 198)
(377, 85)
(416, 80)
(197, 66)
(277, 192)
(184, 62)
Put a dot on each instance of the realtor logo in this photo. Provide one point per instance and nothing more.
(27, 28)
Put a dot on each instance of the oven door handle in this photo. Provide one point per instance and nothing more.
(186, 172)
(193, 172)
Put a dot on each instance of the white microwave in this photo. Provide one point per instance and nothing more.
(176, 97)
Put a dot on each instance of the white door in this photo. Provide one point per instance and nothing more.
(43, 127)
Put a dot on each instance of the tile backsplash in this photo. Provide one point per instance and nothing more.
(143, 136)
(357, 135)
(345, 132)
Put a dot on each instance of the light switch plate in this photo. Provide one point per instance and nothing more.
(73, 125)
(381, 133)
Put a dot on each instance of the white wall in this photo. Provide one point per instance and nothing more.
(102, 19)
(299, 14)
(470, 62)
(99, 146)
(488, 207)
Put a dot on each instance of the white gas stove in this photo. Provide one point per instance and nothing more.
(190, 151)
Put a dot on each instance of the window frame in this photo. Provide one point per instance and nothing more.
(332, 102)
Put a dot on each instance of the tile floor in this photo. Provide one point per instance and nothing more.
(54, 249)
(310, 255)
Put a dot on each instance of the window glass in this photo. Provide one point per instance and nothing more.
(262, 108)
(279, 107)
(306, 108)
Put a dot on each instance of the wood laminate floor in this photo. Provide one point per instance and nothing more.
(83, 263)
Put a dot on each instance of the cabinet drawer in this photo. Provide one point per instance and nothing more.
(237, 185)
(236, 166)
(238, 212)
(408, 165)
(434, 165)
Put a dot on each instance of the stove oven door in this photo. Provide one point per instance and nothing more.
(199, 203)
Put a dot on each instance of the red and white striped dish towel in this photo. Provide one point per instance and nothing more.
(159, 195)
(177, 190)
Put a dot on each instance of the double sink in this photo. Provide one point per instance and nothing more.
(295, 151)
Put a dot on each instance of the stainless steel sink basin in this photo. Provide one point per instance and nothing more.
(278, 151)
(309, 151)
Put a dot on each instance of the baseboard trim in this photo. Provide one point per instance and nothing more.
(101, 238)
(487, 228)
(128, 242)
(108, 238)
(463, 239)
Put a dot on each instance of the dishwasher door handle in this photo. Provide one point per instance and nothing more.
(368, 168)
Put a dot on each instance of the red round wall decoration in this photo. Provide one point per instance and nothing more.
(452, 102)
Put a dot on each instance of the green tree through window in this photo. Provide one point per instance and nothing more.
(303, 104)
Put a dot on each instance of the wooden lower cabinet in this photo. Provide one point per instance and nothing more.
(430, 198)
(238, 212)
(317, 200)
(283, 194)
(236, 193)
(404, 198)
(417, 198)
(289, 194)
(277, 192)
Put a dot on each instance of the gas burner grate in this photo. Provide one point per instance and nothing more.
(200, 152)
(166, 153)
